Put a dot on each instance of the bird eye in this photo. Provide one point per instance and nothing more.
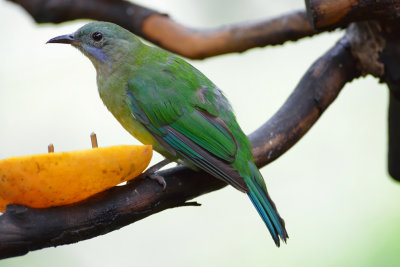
(97, 36)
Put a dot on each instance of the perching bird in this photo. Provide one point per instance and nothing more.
(164, 101)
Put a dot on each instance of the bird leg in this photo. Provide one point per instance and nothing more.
(152, 172)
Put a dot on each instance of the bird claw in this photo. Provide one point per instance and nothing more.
(152, 173)
(158, 178)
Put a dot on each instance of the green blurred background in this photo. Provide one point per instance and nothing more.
(332, 188)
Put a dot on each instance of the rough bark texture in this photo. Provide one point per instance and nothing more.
(376, 46)
(332, 14)
(24, 229)
(367, 43)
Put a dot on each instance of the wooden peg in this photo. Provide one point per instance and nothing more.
(93, 138)
(50, 148)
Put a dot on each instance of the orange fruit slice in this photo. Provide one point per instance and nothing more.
(56, 179)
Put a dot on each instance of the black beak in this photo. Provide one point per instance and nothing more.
(63, 39)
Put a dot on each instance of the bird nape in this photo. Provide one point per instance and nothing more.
(165, 102)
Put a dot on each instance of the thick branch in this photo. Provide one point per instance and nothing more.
(375, 45)
(394, 132)
(315, 92)
(390, 58)
(201, 44)
(24, 229)
(165, 32)
(332, 14)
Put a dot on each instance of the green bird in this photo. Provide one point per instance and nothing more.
(165, 102)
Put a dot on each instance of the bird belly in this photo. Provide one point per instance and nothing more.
(115, 100)
(124, 116)
(137, 130)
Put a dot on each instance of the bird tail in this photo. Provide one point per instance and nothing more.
(265, 206)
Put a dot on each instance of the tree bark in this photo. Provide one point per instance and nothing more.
(324, 14)
(390, 58)
(171, 35)
(375, 45)
(316, 91)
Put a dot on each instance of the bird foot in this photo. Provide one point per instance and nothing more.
(158, 178)
(152, 173)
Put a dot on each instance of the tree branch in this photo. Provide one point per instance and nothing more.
(315, 92)
(24, 229)
(165, 32)
(200, 44)
(390, 58)
(394, 131)
(375, 45)
(332, 14)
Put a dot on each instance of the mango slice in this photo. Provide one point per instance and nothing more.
(56, 179)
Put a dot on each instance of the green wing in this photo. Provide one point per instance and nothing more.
(175, 113)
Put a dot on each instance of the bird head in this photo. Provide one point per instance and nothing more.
(102, 42)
